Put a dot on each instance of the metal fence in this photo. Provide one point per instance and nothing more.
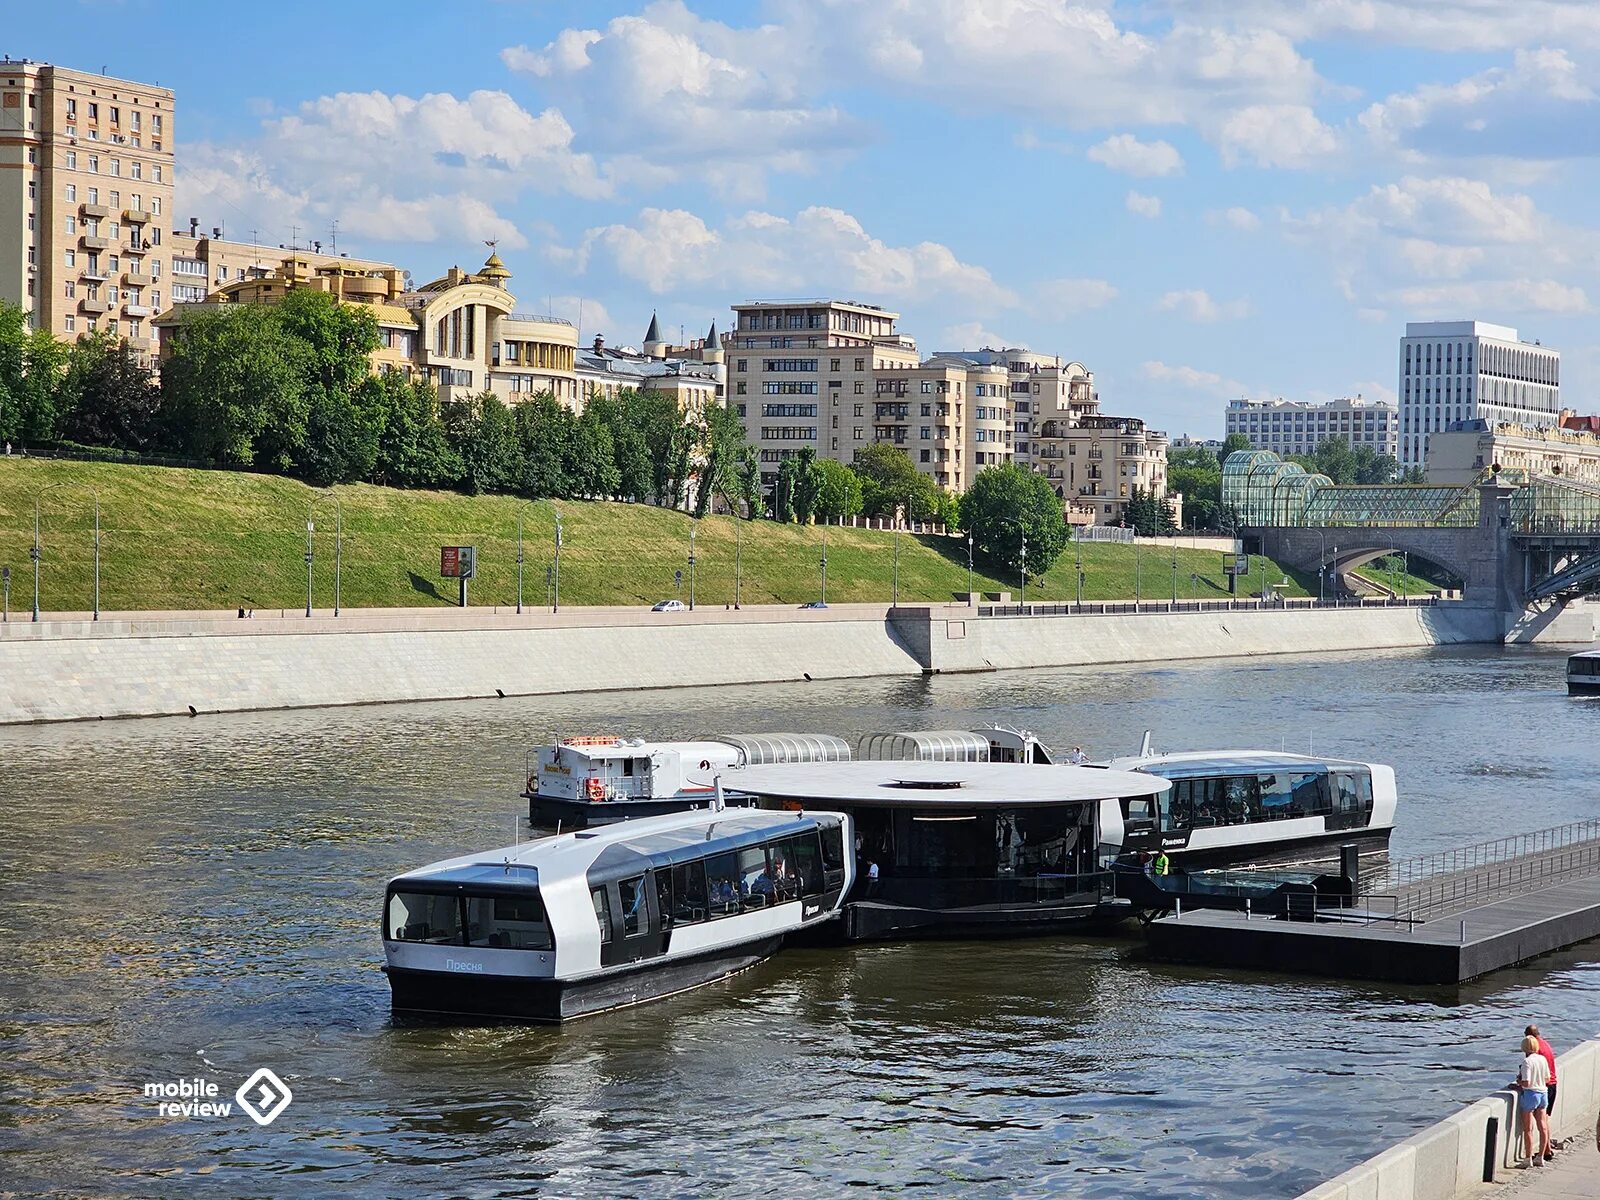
(1103, 533)
(1095, 608)
(1409, 871)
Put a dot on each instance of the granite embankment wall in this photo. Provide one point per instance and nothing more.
(149, 664)
(1448, 1160)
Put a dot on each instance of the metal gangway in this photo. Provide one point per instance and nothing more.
(1450, 881)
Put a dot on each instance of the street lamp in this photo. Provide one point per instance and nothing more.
(1322, 565)
(738, 556)
(34, 551)
(969, 566)
(555, 597)
(309, 528)
(895, 593)
(1174, 572)
(338, 551)
(1022, 557)
(1078, 539)
(96, 492)
(824, 566)
(519, 562)
(1137, 560)
(693, 529)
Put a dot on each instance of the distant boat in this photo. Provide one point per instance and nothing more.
(1583, 673)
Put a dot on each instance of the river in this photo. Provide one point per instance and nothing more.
(201, 897)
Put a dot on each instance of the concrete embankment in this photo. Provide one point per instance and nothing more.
(1465, 1153)
(151, 664)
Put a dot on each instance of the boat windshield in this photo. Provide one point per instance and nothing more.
(507, 921)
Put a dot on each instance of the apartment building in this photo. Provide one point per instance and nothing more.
(1455, 371)
(1291, 427)
(1462, 453)
(693, 374)
(86, 175)
(202, 263)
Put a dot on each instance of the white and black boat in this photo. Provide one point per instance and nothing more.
(1583, 673)
(961, 848)
(598, 919)
(1248, 807)
(598, 779)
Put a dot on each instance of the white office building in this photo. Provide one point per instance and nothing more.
(1454, 371)
(1291, 427)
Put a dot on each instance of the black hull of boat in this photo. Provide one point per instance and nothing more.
(873, 920)
(1323, 848)
(551, 812)
(550, 1001)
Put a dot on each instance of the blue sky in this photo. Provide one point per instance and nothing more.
(1199, 199)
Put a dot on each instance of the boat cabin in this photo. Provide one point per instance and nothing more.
(996, 743)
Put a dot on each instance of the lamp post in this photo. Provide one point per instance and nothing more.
(824, 566)
(1022, 562)
(693, 529)
(1138, 559)
(894, 600)
(519, 562)
(96, 492)
(34, 551)
(555, 595)
(1174, 572)
(338, 551)
(1079, 540)
(309, 528)
(738, 556)
(969, 566)
(1322, 565)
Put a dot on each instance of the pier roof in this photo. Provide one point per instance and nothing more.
(899, 784)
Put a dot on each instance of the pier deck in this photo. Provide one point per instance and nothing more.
(1497, 934)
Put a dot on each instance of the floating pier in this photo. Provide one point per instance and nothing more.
(1445, 918)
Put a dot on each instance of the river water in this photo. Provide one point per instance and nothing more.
(201, 897)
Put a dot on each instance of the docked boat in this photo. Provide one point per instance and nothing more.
(1583, 673)
(595, 780)
(994, 743)
(583, 922)
(947, 848)
(1230, 808)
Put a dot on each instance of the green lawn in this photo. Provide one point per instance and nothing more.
(219, 539)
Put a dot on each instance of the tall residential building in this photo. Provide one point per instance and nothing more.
(1291, 427)
(1453, 371)
(202, 263)
(86, 173)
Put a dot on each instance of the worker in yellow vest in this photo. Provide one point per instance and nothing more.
(1162, 864)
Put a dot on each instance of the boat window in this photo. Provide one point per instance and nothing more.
(1037, 841)
(631, 893)
(602, 913)
(1283, 795)
(755, 880)
(664, 905)
(722, 880)
(1139, 810)
(1353, 792)
(689, 892)
(802, 859)
(1177, 804)
(424, 917)
(940, 844)
(509, 922)
(833, 847)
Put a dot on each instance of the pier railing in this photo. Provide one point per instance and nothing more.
(1469, 889)
(1423, 867)
(1093, 608)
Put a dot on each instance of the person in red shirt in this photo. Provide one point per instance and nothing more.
(1549, 1055)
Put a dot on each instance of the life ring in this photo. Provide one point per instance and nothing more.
(595, 789)
(533, 782)
(705, 764)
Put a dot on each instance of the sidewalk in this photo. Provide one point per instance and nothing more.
(1574, 1173)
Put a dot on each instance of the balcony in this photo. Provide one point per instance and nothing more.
(137, 310)
(137, 216)
(94, 307)
(98, 211)
(136, 279)
(92, 275)
(138, 246)
(91, 242)
(142, 345)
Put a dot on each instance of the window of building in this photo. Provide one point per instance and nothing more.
(72, 160)
(71, 323)
(861, 388)
(858, 432)
(71, 258)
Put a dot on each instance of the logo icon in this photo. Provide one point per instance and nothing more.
(264, 1096)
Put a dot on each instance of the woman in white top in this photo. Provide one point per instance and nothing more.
(1533, 1077)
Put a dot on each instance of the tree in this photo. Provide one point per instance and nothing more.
(838, 492)
(592, 468)
(481, 430)
(722, 452)
(1234, 442)
(1002, 504)
(344, 406)
(1197, 474)
(110, 398)
(807, 484)
(623, 416)
(783, 492)
(412, 448)
(232, 388)
(750, 483)
(1340, 463)
(546, 430)
(33, 365)
(890, 483)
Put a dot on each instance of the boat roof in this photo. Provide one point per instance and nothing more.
(926, 743)
(1188, 764)
(788, 747)
(639, 748)
(695, 832)
(905, 784)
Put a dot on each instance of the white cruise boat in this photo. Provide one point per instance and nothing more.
(594, 780)
(598, 919)
(1583, 673)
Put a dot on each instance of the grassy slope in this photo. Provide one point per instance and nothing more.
(217, 539)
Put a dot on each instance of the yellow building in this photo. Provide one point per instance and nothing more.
(1462, 453)
(86, 175)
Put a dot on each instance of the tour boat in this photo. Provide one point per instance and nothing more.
(598, 919)
(950, 848)
(1232, 808)
(1583, 673)
(594, 780)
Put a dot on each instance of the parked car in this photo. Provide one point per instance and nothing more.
(815, 604)
(668, 606)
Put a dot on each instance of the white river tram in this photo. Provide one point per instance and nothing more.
(598, 919)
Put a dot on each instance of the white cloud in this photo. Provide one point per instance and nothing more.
(1143, 206)
(974, 335)
(1066, 297)
(1125, 153)
(1196, 304)
(1434, 25)
(1236, 217)
(819, 248)
(1193, 378)
(1275, 135)
(1505, 295)
(1371, 389)
(1537, 108)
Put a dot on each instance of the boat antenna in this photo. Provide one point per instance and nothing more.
(717, 802)
(1145, 745)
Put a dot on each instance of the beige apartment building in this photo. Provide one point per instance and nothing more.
(693, 374)
(1464, 451)
(86, 174)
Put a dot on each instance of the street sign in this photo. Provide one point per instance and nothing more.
(458, 562)
(1236, 564)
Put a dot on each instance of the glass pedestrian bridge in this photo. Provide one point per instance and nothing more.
(1261, 489)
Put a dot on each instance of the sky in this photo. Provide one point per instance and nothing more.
(1198, 199)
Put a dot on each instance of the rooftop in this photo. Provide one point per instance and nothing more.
(894, 784)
